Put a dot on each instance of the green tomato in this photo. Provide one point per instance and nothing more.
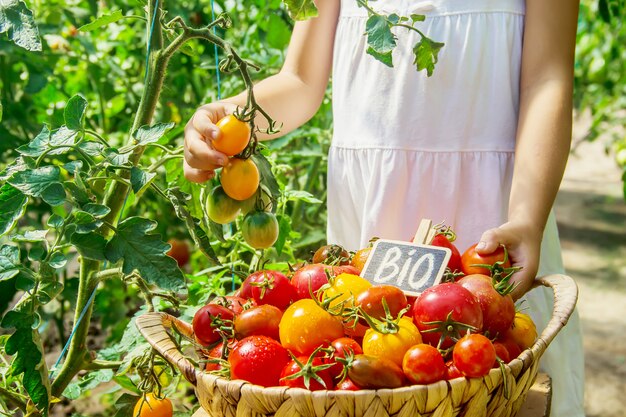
(221, 208)
(260, 229)
(265, 203)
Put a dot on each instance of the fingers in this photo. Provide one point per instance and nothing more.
(489, 242)
(523, 281)
(199, 153)
(197, 175)
(203, 121)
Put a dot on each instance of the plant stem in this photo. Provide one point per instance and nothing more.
(13, 399)
(75, 360)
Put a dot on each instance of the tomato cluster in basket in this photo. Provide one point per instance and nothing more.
(325, 327)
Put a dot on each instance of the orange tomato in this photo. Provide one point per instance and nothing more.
(523, 331)
(151, 406)
(235, 135)
(360, 257)
(240, 178)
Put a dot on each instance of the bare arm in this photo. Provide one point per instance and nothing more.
(543, 134)
(290, 97)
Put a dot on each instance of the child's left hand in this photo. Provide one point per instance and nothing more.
(523, 243)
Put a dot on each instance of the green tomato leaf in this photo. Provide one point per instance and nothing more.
(54, 194)
(90, 245)
(25, 344)
(267, 177)
(91, 148)
(140, 179)
(19, 164)
(55, 221)
(379, 36)
(88, 382)
(115, 157)
(150, 134)
(125, 405)
(9, 262)
(31, 236)
(96, 210)
(145, 252)
(427, 54)
(294, 195)
(385, 58)
(301, 9)
(48, 291)
(278, 32)
(38, 145)
(102, 21)
(74, 112)
(284, 228)
(12, 207)
(17, 21)
(180, 201)
(418, 18)
(33, 182)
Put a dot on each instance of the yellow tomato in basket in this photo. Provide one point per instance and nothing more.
(345, 288)
(394, 344)
(151, 406)
(523, 331)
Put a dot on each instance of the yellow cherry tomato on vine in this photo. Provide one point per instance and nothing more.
(392, 346)
(240, 178)
(151, 406)
(234, 136)
(346, 287)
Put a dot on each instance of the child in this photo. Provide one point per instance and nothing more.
(482, 143)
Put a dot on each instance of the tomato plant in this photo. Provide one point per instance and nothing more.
(260, 229)
(259, 360)
(150, 405)
(240, 178)
(234, 135)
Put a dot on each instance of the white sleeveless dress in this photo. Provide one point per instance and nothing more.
(406, 146)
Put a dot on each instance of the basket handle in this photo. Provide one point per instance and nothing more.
(153, 326)
(565, 297)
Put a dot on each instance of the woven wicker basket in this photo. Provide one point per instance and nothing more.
(459, 397)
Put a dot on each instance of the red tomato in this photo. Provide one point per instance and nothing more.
(342, 347)
(213, 355)
(345, 269)
(373, 372)
(470, 258)
(371, 301)
(269, 287)
(423, 364)
(309, 373)
(498, 310)
(260, 320)
(453, 307)
(442, 241)
(207, 323)
(331, 255)
(347, 385)
(259, 360)
(451, 371)
(502, 353)
(306, 326)
(309, 278)
(180, 251)
(234, 303)
(474, 355)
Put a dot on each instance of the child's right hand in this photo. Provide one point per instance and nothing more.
(201, 159)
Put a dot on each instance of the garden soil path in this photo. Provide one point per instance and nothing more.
(591, 216)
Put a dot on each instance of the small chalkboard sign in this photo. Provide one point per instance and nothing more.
(412, 267)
